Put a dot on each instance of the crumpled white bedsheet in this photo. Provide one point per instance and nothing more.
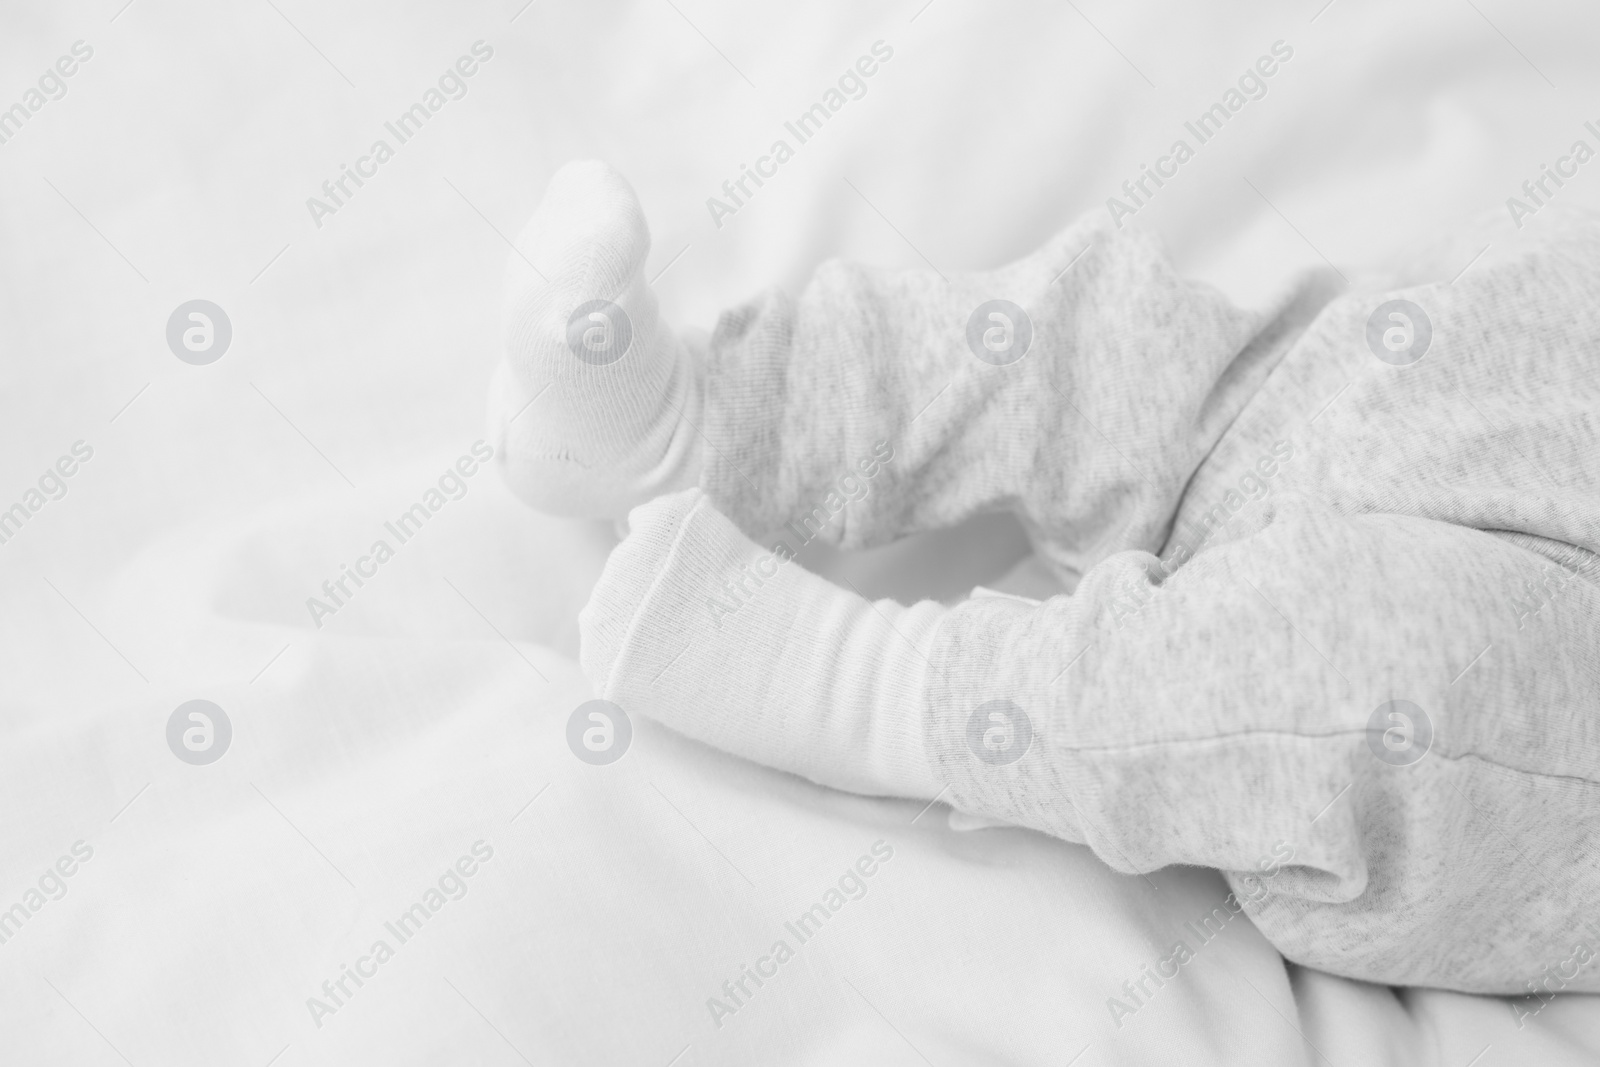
(428, 716)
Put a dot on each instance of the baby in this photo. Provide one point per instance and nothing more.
(1335, 586)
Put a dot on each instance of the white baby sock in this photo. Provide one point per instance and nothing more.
(594, 404)
(696, 626)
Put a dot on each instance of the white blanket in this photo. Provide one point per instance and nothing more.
(420, 732)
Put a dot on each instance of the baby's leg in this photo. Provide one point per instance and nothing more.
(1316, 710)
(1079, 386)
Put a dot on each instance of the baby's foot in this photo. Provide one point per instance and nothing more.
(594, 403)
(698, 627)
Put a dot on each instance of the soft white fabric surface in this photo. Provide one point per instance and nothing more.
(374, 752)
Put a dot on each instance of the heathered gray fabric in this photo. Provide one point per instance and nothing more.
(1204, 698)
